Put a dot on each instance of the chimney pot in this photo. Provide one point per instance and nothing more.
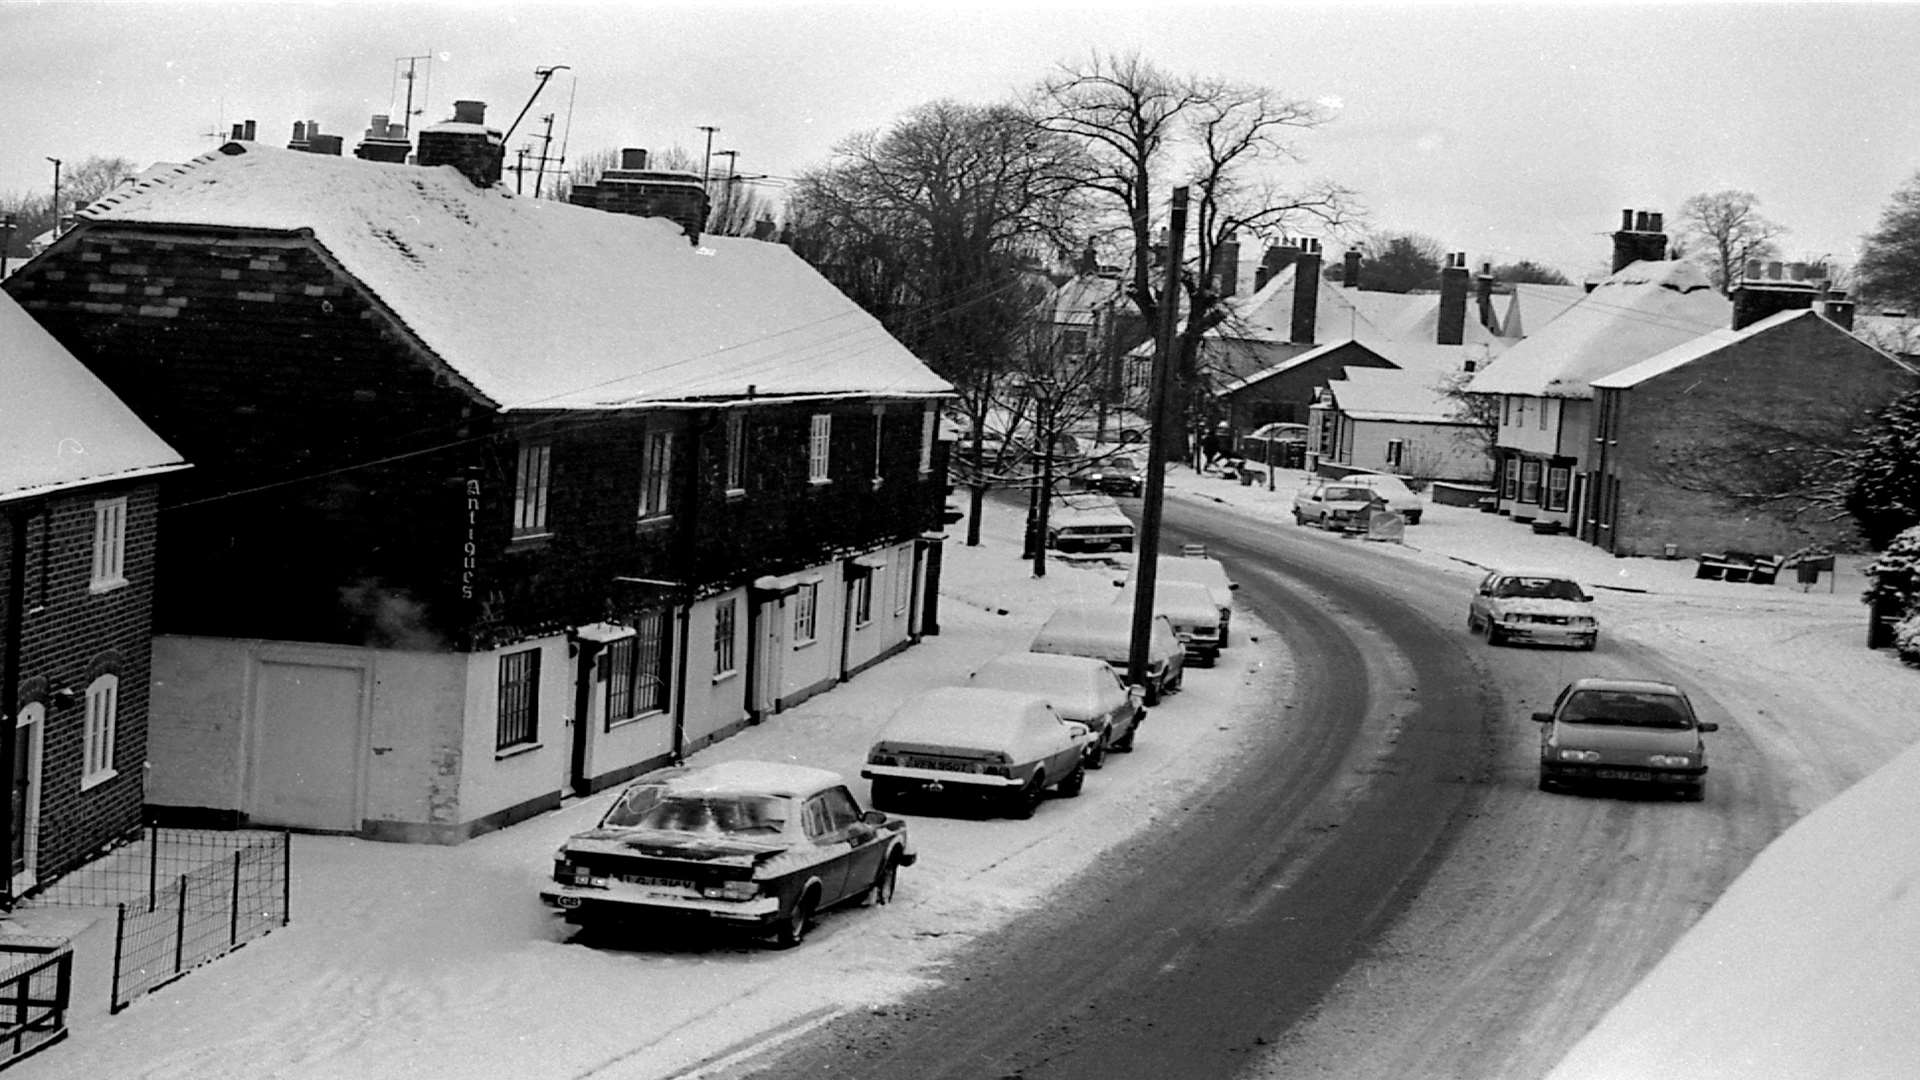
(634, 158)
(1773, 271)
(238, 132)
(1640, 222)
(1626, 221)
(469, 112)
(1655, 220)
(299, 131)
(1753, 269)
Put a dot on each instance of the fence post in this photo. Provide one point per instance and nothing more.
(233, 911)
(153, 867)
(286, 876)
(180, 928)
(119, 954)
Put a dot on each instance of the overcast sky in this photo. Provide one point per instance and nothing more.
(1506, 131)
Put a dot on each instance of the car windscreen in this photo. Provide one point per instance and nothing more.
(1348, 494)
(1622, 708)
(1121, 464)
(740, 815)
(1539, 588)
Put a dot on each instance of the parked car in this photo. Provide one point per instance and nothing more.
(1401, 499)
(1080, 688)
(1206, 571)
(1283, 445)
(1533, 606)
(1088, 523)
(1624, 730)
(1105, 632)
(765, 845)
(999, 745)
(1115, 473)
(1189, 607)
(1335, 505)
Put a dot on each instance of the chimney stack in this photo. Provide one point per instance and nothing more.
(1306, 292)
(1226, 266)
(384, 141)
(1276, 258)
(1483, 295)
(1350, 269)
(1453, 301)
(641, 192)
(1640, 239)
(1838, 310)
(1756, 298)
(466, 143)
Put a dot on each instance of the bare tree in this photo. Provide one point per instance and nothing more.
(926, 226)
(1729, 232)
(1143, 130)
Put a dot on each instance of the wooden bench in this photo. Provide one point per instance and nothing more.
(1737, 566)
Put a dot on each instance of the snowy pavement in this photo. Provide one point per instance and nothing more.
(440, 961)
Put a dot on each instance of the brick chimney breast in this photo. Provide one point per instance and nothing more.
(1640, 239)
(1306, 293)
(1350, 269)
(384, 141)
(466, 143)
(1453, 301)
(642, 192)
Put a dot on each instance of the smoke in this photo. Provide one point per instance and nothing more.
(390, 618)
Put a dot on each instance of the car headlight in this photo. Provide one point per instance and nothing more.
(731, 890)
(1671, 761)
(1582, 620)
(1579, 755)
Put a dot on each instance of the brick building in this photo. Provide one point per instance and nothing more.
(501, 498)
(78, 501)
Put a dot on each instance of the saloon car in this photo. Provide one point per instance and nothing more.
(1105, 632)
(1335, 505)
(1088, 523)
(1207, 571)
(1079, 688)
(1629, 731)
(1001, 746)
(1189, 607)
(1115, 474)
(1540, 606)
(1401, 499)
(764, 845)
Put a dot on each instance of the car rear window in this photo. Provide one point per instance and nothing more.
(1343, 494)
(736, 814)
(1621, 708)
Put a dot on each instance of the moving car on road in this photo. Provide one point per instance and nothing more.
(999, 745)
(1533, 606)
(759, 844)
(1115, 473)
(1623, 730)
(1079, 688)
(1105, 632)
(1334, 505)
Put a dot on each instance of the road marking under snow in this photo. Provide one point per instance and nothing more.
(760, 1044)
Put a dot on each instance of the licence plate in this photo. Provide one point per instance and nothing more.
(936, 763)
(1623, 774)
(656, 882)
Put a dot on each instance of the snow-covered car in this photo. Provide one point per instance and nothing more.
(1401, 499)
(1105, 632)
(1079, 688)
(1115, 474)
(766, 845)
(999, 745)
(1189, 607)
(1207, 571)
(1539, 606)
(1088, 523)
(1335, 505)
(1629, 731)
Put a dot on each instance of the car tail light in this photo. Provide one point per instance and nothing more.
(1002, 771)
(878, 757)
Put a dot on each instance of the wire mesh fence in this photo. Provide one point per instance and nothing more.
(182, 897)
(36, 983)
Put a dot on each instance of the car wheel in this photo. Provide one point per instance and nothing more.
(1075, 780)
(1027, 799)
(793, 928)
(1299, 518)
(886, 795)
(884, 886)
(1126, 745)
(1153, 692)
(1098, 759)
(1547, 784)
(1693, 792)
(1174, 686)
(1591, 643)
(1473, 623)
(1413, 517)
(1495, 636)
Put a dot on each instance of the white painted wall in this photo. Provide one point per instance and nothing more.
(490, 779)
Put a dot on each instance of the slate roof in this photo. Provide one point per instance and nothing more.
(539, 304)
(60, 427)
(1706, 345)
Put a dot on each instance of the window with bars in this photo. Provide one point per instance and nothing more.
(736, 451)
(109, 544)
(819, 441)
(725, 614)
(530, 489)
(519, 708)
(656, 474)
(103, 717)
(804, 603)
(637, 669)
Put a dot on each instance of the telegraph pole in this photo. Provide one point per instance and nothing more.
(1147, 550)
(733, 174)
(56, 196)
(706, 165)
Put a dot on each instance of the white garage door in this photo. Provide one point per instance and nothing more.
(306, 754)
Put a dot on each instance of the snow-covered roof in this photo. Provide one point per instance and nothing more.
(539, 304)
(1644, 309)
(1391, 394)
(1291, 362)
(1358, 314)
(1074, 303)
(1703, 346)
(963, 715)
(60, 427)
(1531, 307)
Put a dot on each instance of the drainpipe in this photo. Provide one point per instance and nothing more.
(680, 689)
(10, 679)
